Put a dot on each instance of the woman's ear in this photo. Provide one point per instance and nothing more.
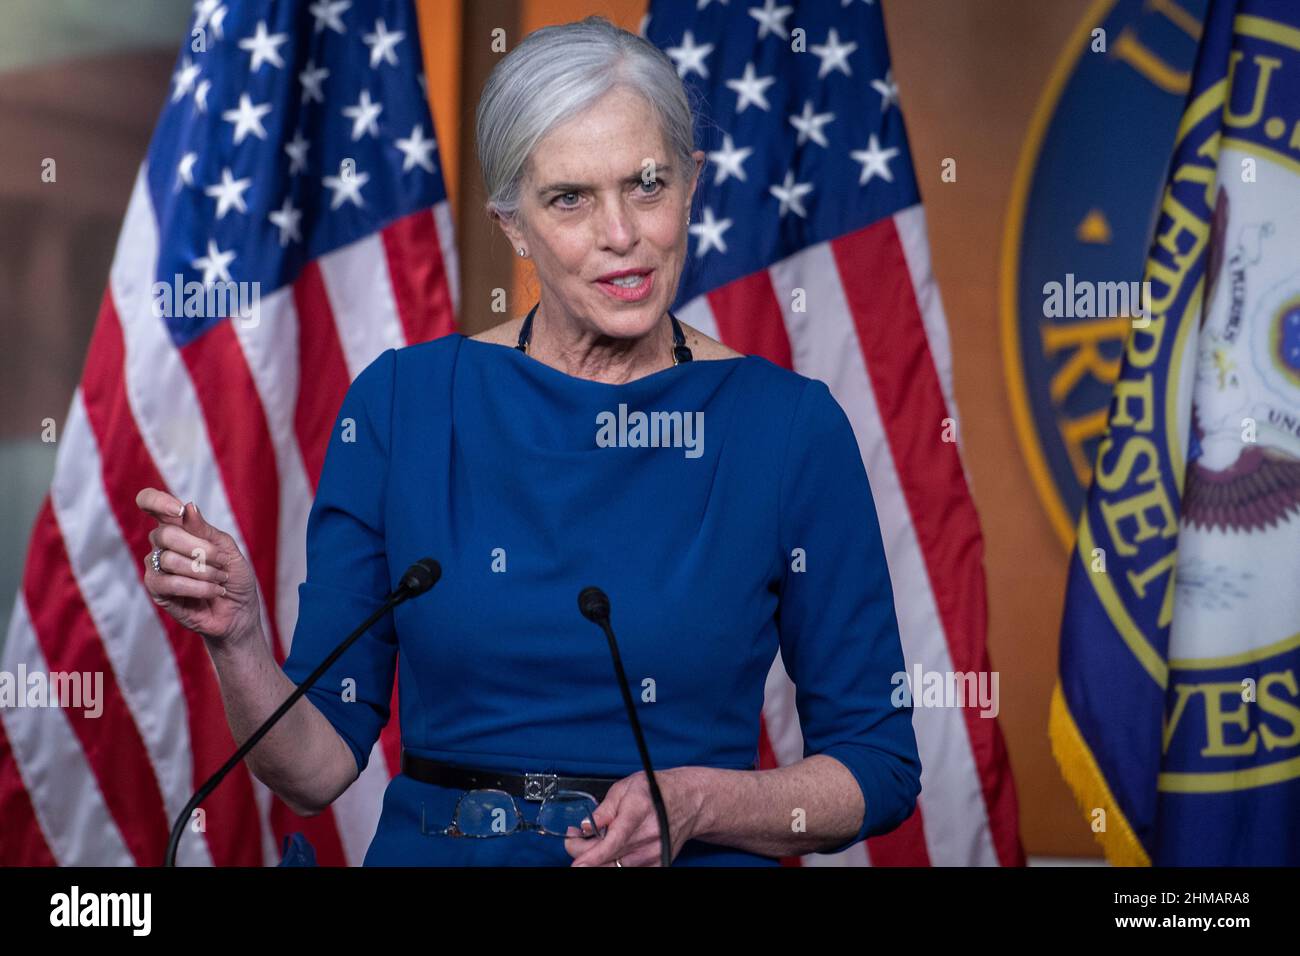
(698, 156)
(510, 226)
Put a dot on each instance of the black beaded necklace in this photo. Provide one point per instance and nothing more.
(681, 352)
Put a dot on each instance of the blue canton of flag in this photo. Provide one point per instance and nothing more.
(292, 129)
(803, 148)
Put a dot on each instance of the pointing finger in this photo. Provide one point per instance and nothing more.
(160, 505)
(194, 522)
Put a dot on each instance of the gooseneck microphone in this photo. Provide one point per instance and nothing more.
(417, 579)
(594, 605)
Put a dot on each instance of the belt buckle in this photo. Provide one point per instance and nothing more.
(539, 786)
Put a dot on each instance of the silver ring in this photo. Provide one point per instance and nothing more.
(155, 557)
(618, 862)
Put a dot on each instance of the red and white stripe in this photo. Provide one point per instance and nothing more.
(223, 422)
(873, 330)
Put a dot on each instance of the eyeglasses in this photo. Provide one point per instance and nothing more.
(495, 813)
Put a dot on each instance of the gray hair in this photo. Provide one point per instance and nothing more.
(553, 75)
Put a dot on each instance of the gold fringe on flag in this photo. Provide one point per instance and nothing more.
(1084, 777)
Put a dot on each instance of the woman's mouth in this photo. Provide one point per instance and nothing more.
(629, 288)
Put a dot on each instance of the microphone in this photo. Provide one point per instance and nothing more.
(594, 605)
(417, 579)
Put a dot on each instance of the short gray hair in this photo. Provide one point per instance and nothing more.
(553, 75)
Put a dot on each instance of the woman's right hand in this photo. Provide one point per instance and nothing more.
(205, 583)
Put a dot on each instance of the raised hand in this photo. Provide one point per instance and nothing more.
(205, 582)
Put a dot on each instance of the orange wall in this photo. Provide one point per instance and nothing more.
(440, 40)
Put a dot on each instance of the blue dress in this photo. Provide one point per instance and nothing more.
(750, 531)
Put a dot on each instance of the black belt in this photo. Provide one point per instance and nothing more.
(529, 786)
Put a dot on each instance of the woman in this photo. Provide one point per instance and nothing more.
(515, 458)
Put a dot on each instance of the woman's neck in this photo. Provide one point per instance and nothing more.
(583, 352)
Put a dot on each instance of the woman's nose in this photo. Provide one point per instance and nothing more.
(617, 225)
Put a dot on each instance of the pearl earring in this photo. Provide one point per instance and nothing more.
(521, 251)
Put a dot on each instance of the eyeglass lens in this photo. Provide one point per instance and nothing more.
(487, 813)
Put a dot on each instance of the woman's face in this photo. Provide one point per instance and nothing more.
(600, 196)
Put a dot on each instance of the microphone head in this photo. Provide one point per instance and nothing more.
(421, 576)
(594, 604)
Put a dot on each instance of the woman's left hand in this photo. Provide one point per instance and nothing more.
(629, 813)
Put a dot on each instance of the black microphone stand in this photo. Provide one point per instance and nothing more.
(594, 605)
(418, 578)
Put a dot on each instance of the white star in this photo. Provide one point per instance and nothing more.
(218, 18)
(729, 159)
(364, 116)
(790, 193)
(874, 161)
(346, 188)
(328, 14)
(810, 125)
(297, 150)
(247, 118)
(834, 55)
(311, 79)
(750, 89)
(210, 11)
(201, 95)
(214, 264)
(690, 57)
(264, 47)
(229, 192)
(382, 44)
(185, 169)
(202, 10)
(184, 78)
(771, 19)
(710, 232)
(286, 219)
(887, 89)
(416, 149)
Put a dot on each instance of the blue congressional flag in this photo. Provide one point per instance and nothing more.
(1177, 716)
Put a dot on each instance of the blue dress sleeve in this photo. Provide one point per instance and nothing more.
(838, 630)
(347, 568)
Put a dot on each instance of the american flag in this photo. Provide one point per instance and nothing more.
(810, 249)
(295, 151)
